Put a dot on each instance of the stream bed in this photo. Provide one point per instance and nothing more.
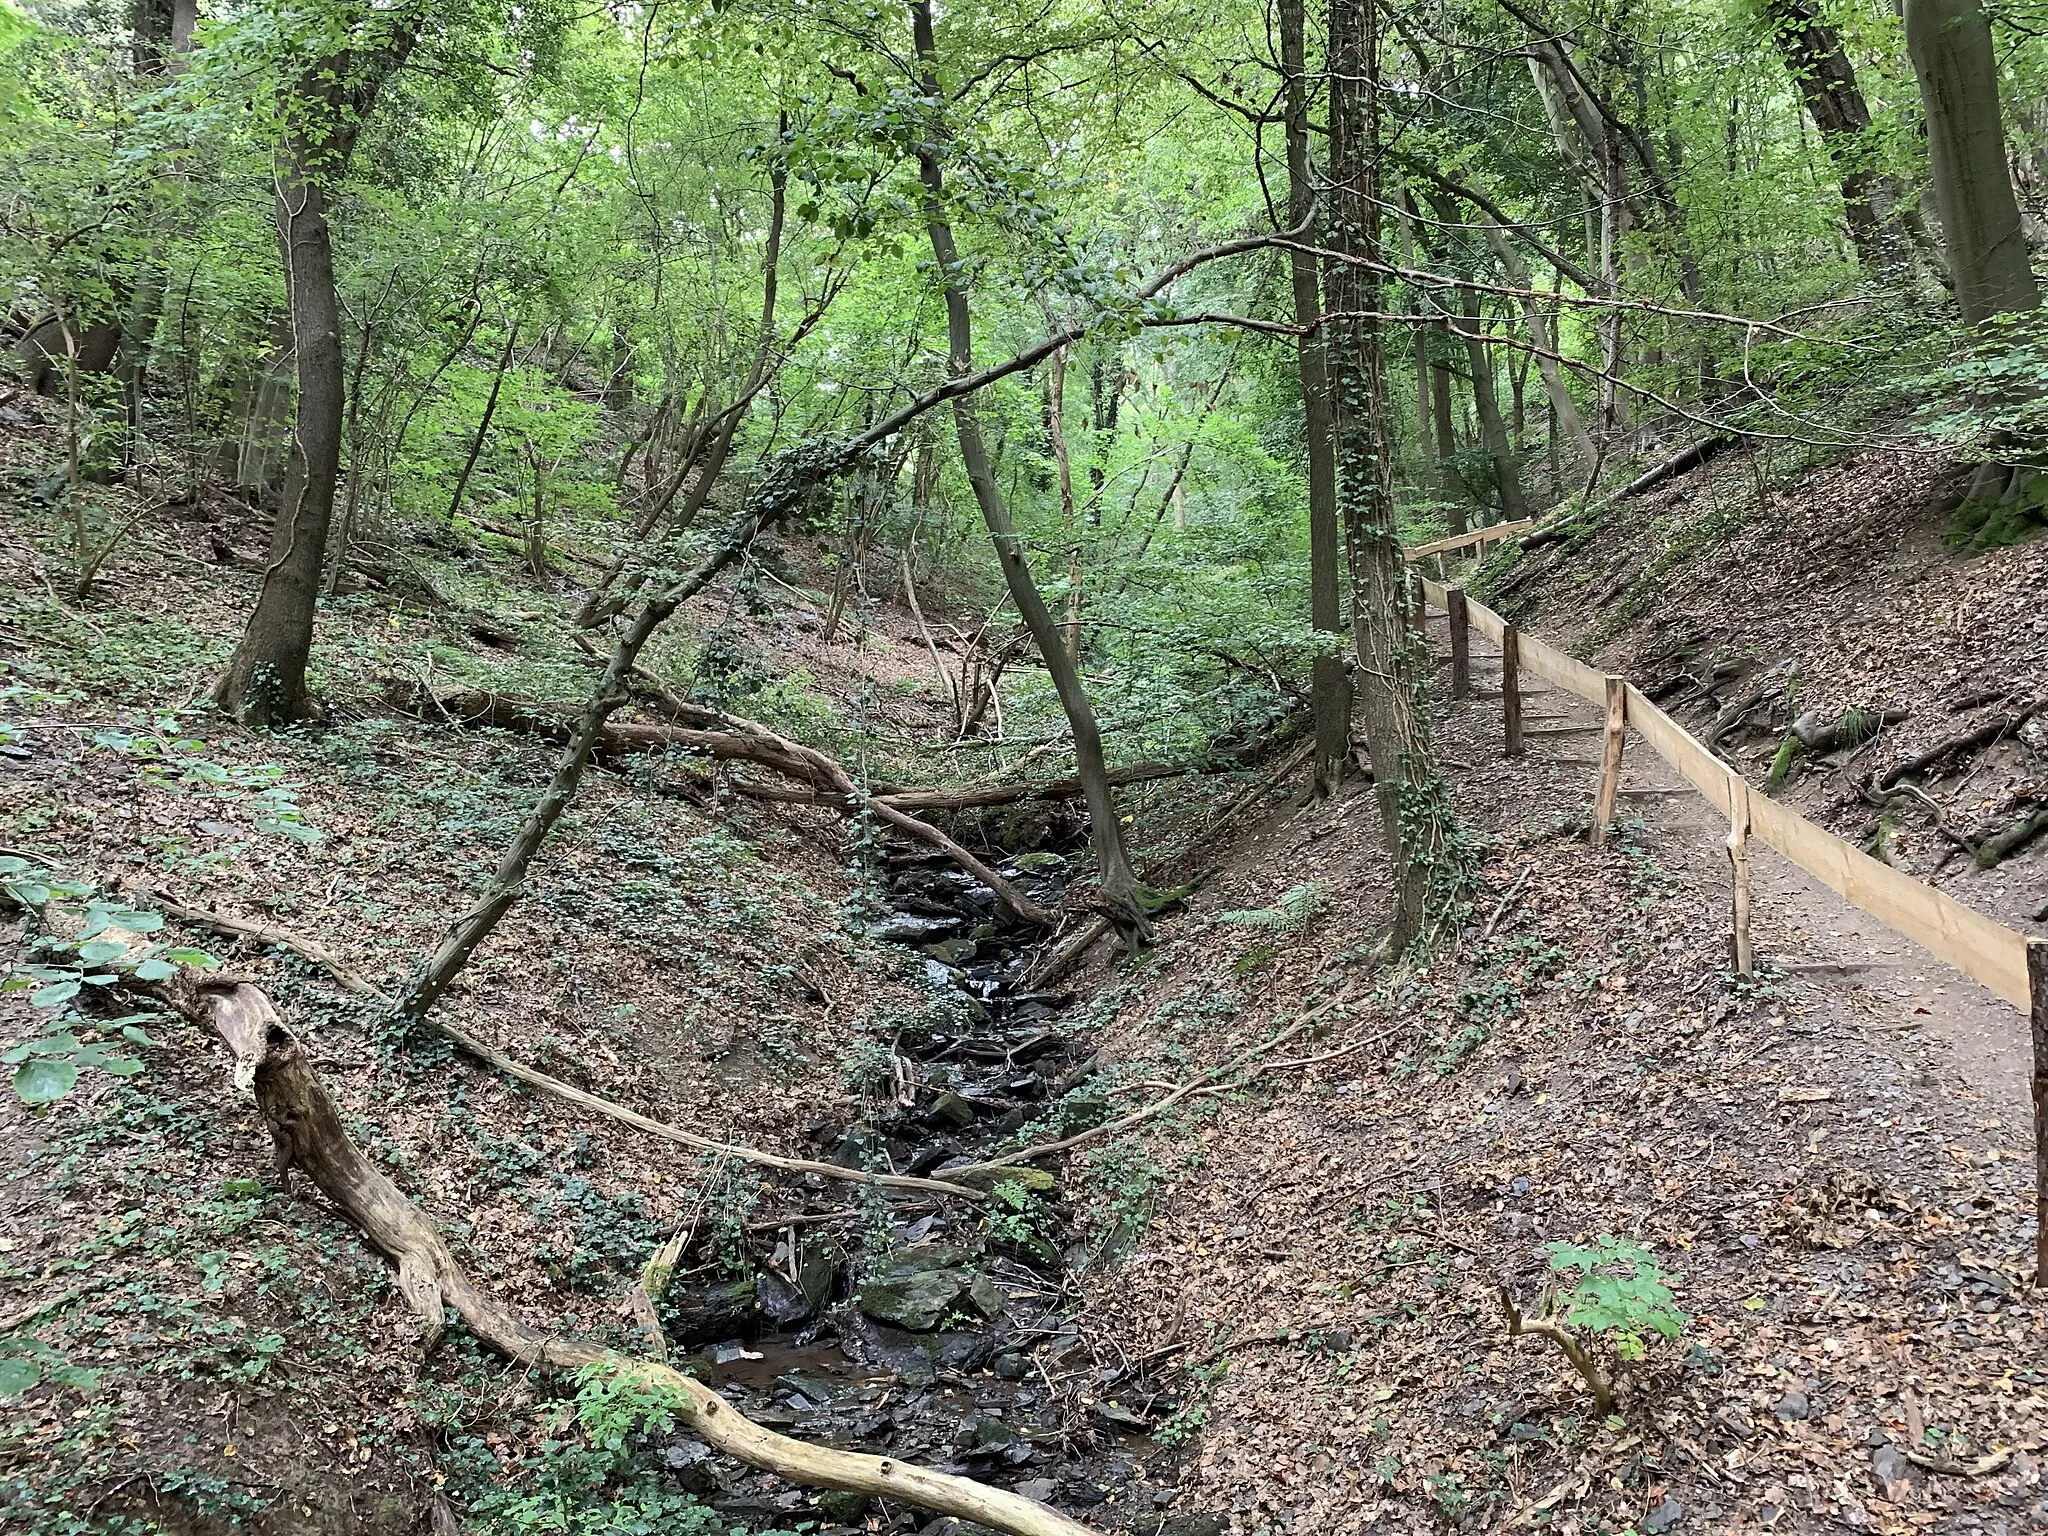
(949, 1336)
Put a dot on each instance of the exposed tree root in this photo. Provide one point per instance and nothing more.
(354, 981)
(307, 1134)
(1972, 740)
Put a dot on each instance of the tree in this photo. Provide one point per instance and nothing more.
(1872, 201)
(322, 114)
(1422, 831)
(1329, 688)
(1115, 880)
(1950, 44)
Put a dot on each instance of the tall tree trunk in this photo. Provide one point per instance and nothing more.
(1507, 475)
(1329, 688)
(1543, 333)
(1118, 884)
(265, 681)
(1950, 42)
(1421, 827)
(1827, 83)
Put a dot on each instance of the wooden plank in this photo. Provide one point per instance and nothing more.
(1461, 643)
(1616, 729)
(1935, 920)
(1569, 673)
(2037, 978)
(1476, 536)
(1680, 748)
(1738, 859)
(1511, 688)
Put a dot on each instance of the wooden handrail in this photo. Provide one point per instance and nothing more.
(1477, 536)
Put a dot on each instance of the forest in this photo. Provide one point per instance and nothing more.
(838, 767)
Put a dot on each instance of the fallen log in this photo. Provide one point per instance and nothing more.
(307, 1135)
(737, 740)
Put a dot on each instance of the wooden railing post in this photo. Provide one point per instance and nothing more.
(1461, 642)
(1610, 757)
(2037, 987)
(1738, 863)
(1511, 687)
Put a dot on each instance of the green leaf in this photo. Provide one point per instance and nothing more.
(198, 957)
(155, 968)
(54, 995)
(44, 1081)
(99, 951)
(135, 1036)
(17, 1375)
(120, 1066)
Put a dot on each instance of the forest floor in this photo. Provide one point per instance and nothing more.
(1282, 1311)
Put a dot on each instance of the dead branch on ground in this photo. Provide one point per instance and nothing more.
(307, 1134)
(354, 981)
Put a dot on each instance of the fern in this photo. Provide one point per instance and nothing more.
(1292, 914)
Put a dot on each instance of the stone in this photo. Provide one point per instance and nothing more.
(907, 928)
(953, 951)
(1117, 1416)
(1888, 1464)
(711, 1313)
(1794, 1405)
(846, 1508)
(986, 1297)
(917, 1301)
(1035, 1179)
(1038, 862)
(923, 1256)
(820, 1262)
(1010, 1366)
(952, 1109)
(815, 1390)
(1038, 1489)
(781, 1303)
(1665, 1517)
(1195, 1525)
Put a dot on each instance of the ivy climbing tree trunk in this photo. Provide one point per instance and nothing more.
(1430, 873)
(1329, 688)
(1118, 885)
(265, 681)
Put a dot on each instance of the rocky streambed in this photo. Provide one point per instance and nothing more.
(948, 1335)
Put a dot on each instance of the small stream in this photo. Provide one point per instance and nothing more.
(941, 1336)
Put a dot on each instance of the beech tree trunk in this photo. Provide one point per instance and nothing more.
(1543, 332)
(1827, 83)
(265, 681)
(1950, 42)
(1421, 827)
(1329, 688)
(1117, 882)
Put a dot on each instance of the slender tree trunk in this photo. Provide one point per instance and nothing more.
(1451, 482)
(1507, 475)
(265, 681)
(1329, 688)
(1118, 884)
(1421, 827)
(1543, 333)
(483, 424)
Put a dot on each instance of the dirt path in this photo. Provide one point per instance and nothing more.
(1934, 1018)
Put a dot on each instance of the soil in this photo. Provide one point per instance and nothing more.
(1274, 1307)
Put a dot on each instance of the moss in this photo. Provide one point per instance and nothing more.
(1781, 765)
(1985, 522)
